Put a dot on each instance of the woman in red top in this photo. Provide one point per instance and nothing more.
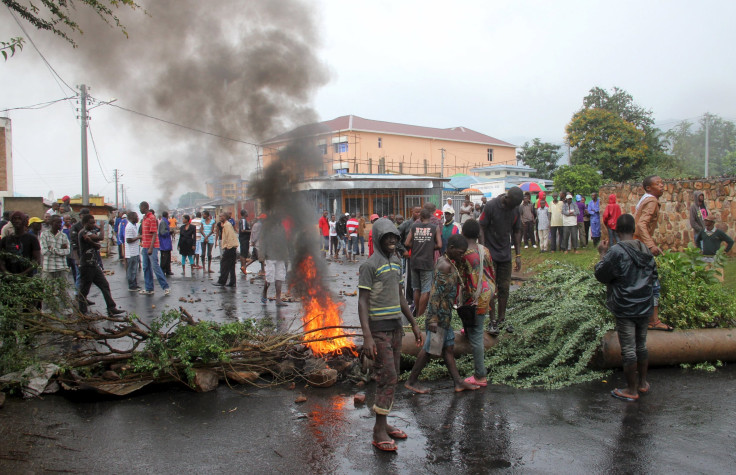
(610, 215)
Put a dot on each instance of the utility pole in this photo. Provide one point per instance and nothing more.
(85, 168)
(117, 206)
(707, 133)
(442, 169)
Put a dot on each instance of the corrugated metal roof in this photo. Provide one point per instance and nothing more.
(359, 124)
(370, 181)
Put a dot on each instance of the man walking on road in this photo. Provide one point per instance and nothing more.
(89, 269)
(149, 252)
(228, 246)
(500, 222)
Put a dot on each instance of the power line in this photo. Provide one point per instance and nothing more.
(97, 156)
(40, 105)
(184, 126)
(39, 51)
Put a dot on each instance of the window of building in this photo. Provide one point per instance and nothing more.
(322, 148)
(490, 154)
(380, 142)
(341, 147)
(498, 173)
(489, 173)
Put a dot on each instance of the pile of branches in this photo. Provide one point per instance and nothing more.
(120, 354)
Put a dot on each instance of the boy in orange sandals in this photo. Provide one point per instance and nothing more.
(381, 303)
(629, 272)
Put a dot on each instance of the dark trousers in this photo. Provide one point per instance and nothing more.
(89, 275)
(556, 238)
(166, 262)
(227, 267)
(529, 233)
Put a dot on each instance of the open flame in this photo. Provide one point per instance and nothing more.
(321, 315)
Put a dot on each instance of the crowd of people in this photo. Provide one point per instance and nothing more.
(65, 242)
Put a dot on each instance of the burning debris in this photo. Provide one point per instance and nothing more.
(325, 334)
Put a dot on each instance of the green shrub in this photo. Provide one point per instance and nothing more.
(691, 296)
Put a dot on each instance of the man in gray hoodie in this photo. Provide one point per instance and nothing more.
(698, 212)
(381, 303)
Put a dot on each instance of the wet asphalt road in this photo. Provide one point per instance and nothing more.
(685, 425)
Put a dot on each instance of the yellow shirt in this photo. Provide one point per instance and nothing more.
(229, 239)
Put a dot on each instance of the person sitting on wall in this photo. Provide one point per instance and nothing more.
(709, 241)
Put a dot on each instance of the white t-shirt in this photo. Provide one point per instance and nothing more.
(132, 249)
(333, 228)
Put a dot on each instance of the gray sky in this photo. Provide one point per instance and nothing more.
(514, 70)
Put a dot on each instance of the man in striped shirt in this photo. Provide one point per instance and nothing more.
(54, 249)
(352, 227)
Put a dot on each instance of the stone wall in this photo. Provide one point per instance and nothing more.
(674, 231)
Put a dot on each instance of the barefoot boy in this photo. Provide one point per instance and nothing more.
(380, 305)
(443, 297)
(629, 271)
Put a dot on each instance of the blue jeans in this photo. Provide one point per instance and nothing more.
(475, 337)
(612, 236)
(361, 240)
(151, 267)
(132, 271)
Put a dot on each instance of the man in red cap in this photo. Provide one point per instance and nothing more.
(65, 207)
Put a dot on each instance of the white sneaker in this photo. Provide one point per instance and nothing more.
(527, 247)
(167, 291)
(534, 246)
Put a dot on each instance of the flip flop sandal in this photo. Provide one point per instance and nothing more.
(619, 395)
(645, 390)
(398, 434)
(475, 382)
(385, 446)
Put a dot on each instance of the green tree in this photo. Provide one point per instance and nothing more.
(607, 143)
(56, 15)
(620, 103)
(542, 156)
(686, 146)
(615, 135)
(190, 199)
(582, 179)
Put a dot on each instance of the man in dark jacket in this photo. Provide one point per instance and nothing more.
(500, 224)
(629, 271)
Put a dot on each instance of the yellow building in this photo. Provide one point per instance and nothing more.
(228, 187)
(352, 144)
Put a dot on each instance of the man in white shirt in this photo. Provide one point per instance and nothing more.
(132, 250)
(448, 207)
